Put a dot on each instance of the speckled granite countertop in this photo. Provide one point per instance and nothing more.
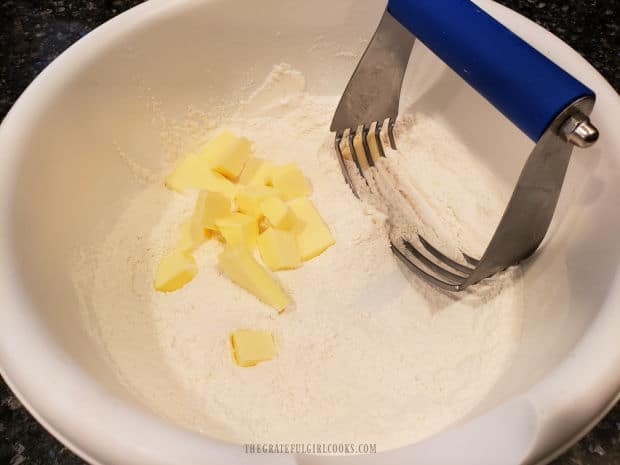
(34, 32)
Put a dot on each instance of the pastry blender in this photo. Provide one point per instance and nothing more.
(545, 102)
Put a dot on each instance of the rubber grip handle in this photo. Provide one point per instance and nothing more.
(528, 88)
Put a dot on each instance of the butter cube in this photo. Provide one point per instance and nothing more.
(251, 347)
(175, 271)
(227, 153)
(255, 172)
(312, 234)
(196, 173)
(249, 199)
(290, 181)
(210, 207)
(241, 267)
(278, 213)
(238, 230)
(191, 238)
(279, 250)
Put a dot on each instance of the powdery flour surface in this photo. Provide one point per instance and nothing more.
(366, 353)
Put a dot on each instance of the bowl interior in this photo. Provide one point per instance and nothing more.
(124, 97)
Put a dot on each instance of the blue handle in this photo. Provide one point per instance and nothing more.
(525, 86)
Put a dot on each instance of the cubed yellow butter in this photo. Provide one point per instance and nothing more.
(255, 172)
(252, 346)
(249, 199)
(278, 213)
(312, 234)
(196, 173)
(279, 249)
(227, 153)
(290, 181)
(238, 230)
(218, 183)
(210, 206)
(241, 267)
(190, 238)
(175, 271)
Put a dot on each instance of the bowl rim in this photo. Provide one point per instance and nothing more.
(80, 403)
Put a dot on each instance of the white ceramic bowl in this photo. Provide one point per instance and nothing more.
(60, 180)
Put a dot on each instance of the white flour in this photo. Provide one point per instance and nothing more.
(367, 352)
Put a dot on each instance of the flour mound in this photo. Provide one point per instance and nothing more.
(367, 353)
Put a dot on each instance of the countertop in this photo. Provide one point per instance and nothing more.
(34, 32)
